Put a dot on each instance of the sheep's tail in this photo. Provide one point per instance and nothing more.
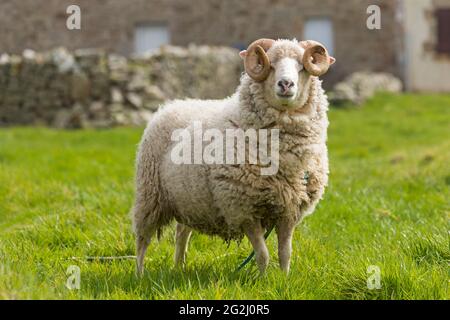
(151, 212)
(148, 214)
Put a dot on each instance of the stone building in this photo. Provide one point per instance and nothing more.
(110, 24)
(412, 42)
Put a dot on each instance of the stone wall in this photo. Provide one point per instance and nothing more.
(361, 86)
(90, 88)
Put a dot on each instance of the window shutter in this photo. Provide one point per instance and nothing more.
(443, 30)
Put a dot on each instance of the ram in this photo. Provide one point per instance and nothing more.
(279, 92)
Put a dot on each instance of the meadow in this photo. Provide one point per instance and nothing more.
(65, 196)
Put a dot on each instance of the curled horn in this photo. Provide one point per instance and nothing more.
(256, 62)
(316, 59)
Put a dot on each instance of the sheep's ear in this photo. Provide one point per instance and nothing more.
(332, 60)
(243, 54)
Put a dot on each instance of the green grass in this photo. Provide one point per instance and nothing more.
(67, 194)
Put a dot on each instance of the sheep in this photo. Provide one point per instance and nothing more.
(280, 90)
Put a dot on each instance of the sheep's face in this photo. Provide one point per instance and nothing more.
(285, 68)
(288, 83)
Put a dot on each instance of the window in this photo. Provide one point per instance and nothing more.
(443, 31)
(320, 29)
(148, 37)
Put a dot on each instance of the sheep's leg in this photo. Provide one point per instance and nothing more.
(285, 230)
(182, 236)
(255, 234)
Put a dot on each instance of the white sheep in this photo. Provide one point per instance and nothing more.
(280, 90)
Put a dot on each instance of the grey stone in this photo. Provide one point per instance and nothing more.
(135, 100)
(116, 96)
(80, 86)
(360, 86)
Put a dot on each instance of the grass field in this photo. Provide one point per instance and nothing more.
(66, 194)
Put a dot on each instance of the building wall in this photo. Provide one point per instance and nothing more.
(110, 24)
(237, 23)
(425, 70)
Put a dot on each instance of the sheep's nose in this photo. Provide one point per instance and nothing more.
(285, 84)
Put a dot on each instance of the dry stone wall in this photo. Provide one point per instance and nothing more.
(89, 88)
